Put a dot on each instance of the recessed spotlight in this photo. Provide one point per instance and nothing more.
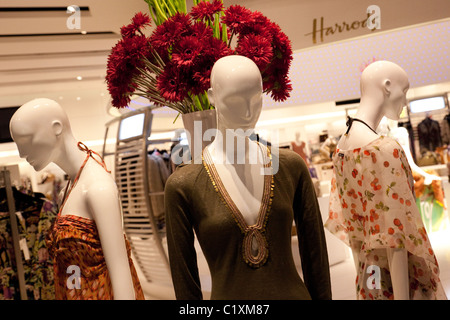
(78, 98)
(79, 78)
(83, 32)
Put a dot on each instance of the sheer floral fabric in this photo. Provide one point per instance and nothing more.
(372, 202)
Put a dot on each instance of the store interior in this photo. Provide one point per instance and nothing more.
(40, 59)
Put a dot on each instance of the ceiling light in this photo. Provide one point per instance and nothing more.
(83, 32)
(79, 78)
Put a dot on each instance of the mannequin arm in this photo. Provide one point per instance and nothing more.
(428, 177)
(102, 200)
(311, 238)
(180, 239)
(398, 265)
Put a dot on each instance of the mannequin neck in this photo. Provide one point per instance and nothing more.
(370, 111)
(69, 157)
(234, 147)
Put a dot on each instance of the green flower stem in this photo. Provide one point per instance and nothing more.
(170, 9)
(205, 101)
(160, 16)
(153, 68)
(157, 57)
(152, 14)
(146, 81)
(223, 27)
(196, 105)
(182, 6)
(178, 114)
(216, 26)
(231, 38)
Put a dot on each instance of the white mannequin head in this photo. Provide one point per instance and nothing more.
(236, 92)
(385, 85)
(383, 93)
(39, 127)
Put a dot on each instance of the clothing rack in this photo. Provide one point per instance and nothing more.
(6, 179)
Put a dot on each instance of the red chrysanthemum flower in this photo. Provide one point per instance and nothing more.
(213, 50)
(186, 51)
(281, 89)
(257, 48)
(257, 24)
(140, 20)
(283, 47)
(170, 31)
(236, 17)
(200, 30)
(171, 84)
(206, 10)
(122, 66)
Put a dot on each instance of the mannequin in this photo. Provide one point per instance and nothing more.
(327, 148)
(238, 209)
(42, 132)
(383, 93)
(387, 78)
(299, 146)
(242, 178)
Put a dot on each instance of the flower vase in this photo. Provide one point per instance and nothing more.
(200, 129)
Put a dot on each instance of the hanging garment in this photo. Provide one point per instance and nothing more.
(445, 129)
(34, 218)
(372, 201)
(74, 244)
(429, 135)
(158, 173)
(412, 146)
(300, 150)
(193, 202)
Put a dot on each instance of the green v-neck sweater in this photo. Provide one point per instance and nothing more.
(192, 204)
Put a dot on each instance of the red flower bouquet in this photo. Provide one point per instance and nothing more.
(172, 66)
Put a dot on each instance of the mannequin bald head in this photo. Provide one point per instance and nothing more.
(39, 128)
(383, 94)
(236, 92)
(385, 84)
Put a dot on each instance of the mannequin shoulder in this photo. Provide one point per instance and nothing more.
(288, 156)
(184, 176)
(289, 160)
(96, 180)
(388, 144)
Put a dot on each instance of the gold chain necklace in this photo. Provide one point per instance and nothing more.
(252, 233)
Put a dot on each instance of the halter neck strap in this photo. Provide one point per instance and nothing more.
(349, 124)
(90, 154)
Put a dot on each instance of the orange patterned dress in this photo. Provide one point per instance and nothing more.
(78, 261)
(74, 241)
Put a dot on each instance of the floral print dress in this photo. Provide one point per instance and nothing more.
(372, 202)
